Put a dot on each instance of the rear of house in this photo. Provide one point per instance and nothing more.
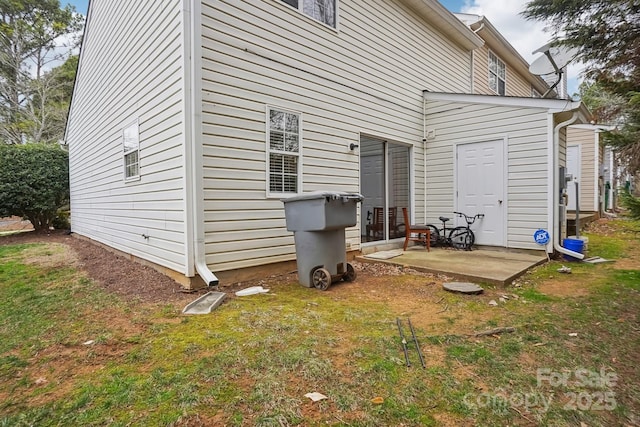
(191, 120)
(502, 158)
(293, 111)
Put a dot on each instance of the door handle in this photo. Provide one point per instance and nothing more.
(499, 201)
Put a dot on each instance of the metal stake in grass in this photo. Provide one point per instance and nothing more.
(404, 342)
(415, 340)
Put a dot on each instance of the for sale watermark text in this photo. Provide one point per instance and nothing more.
(576, 390)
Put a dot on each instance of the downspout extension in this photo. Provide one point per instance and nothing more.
(194, 137)
(209, 278)
(556, 188)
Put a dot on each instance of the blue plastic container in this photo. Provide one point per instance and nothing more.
(575, 245)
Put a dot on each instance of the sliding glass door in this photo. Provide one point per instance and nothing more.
(385, 184)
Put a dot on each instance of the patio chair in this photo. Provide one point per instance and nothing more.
(422, 231)
(377, 226)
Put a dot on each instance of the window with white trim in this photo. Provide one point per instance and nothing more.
(497, 75)
(283, 139)
(131, 150)
(320, 10)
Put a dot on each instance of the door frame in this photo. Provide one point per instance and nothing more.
(410, 180)
(504, 139)
(577, 176)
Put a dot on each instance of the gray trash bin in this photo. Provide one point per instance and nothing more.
(318, 221)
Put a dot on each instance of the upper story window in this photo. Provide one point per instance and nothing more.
(131, 150)
(283, 139)
(497, 75)
(320, 10)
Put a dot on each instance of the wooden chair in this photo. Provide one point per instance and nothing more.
(377, 226)
(423, 232)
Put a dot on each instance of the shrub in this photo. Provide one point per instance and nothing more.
(34, 182)
(631, 203)
(61, 221)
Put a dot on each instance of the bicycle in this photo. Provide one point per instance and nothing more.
(460, 237)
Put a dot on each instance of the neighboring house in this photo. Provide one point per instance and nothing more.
(614, 177)
(191, 120)
(497, 67)
(609, 178)
(587, 166)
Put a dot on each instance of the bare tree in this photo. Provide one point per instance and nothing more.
(30, 40)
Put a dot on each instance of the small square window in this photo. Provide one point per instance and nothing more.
(131, 150)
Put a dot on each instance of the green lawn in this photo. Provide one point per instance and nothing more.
(71, 354)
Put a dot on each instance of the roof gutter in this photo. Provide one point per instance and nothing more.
(437, 15)
(193, 167)
(556, 187)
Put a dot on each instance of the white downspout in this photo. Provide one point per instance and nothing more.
(556, 187)
(194, 179)
(424, 157)
(596, 173)
(473, 58)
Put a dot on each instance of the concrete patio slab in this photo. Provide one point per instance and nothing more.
(495, 266)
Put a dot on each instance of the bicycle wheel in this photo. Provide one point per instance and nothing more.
(462, 238)
(434, 238)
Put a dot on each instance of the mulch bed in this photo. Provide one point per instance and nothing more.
(112, 272)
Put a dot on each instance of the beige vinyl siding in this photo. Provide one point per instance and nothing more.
(130, 69)
(366, 76)
(589, 163)
(516, 84)
(525, 130)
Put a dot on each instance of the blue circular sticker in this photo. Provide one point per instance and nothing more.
(541, 237)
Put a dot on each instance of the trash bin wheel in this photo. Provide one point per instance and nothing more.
(321, 278)
(350, 275)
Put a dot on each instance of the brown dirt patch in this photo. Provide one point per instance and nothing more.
(630, 262)
(58, 256)
(569, 288)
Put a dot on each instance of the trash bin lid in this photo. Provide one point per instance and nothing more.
(331, 195)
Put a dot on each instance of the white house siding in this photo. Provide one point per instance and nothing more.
(589, 166)
(516, 84)
(365, 77)
(526, 133)
(130, 68)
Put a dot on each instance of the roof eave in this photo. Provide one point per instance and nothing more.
(554, 106)
(437, 15)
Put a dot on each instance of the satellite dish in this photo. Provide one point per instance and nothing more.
(555, 58)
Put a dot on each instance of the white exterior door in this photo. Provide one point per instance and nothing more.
(480, 189)
(573, 168)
